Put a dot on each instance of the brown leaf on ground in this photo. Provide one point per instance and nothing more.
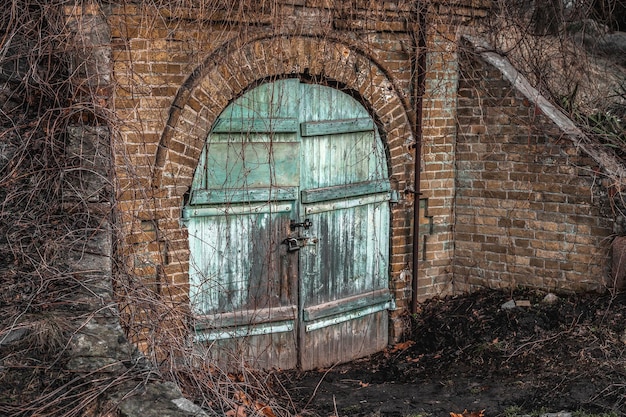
(398, 347)
(264, 409)
(239, 411)
(466, 413)
(242, 398)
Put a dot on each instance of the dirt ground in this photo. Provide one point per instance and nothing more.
(466, 352)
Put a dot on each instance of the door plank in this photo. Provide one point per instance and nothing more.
(345, 341)
(237, 195)
(316, 195)
(349, 315)
(332, 205)
(251, 164)
(220, 333)
(231, 210)
(266, 351)
(247, 317)
(255, 125)
(332, 127)
(347, 304)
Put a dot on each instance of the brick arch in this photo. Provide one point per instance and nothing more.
(230, 71)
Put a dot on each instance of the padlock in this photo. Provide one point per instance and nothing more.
(292, 244)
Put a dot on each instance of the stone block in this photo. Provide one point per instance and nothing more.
(88, 152)
(618, 263)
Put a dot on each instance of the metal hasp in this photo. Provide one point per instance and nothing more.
(306, 224)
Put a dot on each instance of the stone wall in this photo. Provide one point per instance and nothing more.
(97, 350)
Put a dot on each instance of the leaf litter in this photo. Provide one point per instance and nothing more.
(468, 353)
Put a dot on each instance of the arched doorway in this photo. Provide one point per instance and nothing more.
(288, 221)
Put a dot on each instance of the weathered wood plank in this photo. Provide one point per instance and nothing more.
(244, 165)
(344, 191)
(232, 210)
(333, 127)
(266, 351)
(246, 317)
(255, 125)
(248, 195)
(345, 341)
(346, 304)
(346, 203)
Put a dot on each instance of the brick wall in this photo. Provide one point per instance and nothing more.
(174, 75)
(528, 202)
(504, 200)
(438, 141)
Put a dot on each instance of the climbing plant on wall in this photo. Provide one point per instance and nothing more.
(51, 81)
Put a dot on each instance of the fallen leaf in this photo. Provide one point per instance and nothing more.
(242, 398)
(237, 412)
(264, 409)
(466, 413)
(402, 346)
(363, 384)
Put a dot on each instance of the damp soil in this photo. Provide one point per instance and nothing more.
(466, 352)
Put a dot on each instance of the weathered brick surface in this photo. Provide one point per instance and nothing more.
(174, 77)
(506, 202)
(528, 203)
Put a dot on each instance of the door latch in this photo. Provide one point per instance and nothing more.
(294, 243)
(306, 224)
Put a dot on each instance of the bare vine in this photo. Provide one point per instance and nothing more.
(43, 92)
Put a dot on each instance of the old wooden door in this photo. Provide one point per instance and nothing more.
(288, 221)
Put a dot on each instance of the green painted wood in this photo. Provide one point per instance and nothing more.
(346, 203)
(346, 315)
(247, 317)
(256, 125)
(333, 127)
(244, 331)
(236, 195)
(242, 201)
(345, 191)
(250, 164)
(346, 305)
(278, 100)
(259, 172)
(237, 209)
(350, 259)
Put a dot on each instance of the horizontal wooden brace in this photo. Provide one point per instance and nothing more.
(333, 127)
(344, 191)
